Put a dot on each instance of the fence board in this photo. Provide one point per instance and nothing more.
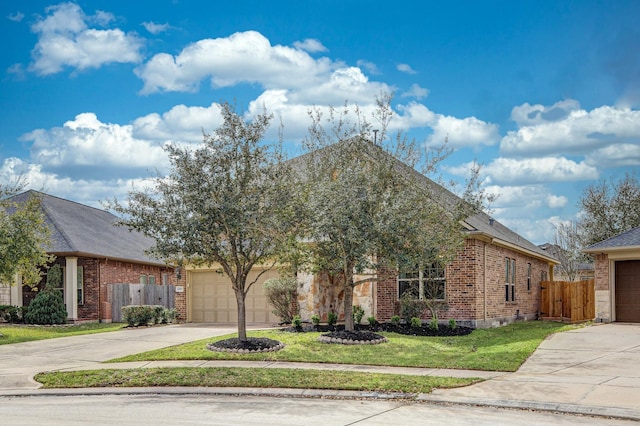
(120, 295)
(568, 301)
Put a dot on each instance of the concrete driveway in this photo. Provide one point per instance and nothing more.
(595, 367)
(20, 361)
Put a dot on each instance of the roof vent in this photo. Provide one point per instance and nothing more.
(491, 220)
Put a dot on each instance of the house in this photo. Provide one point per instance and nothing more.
(617, 277)
(584, 270)
(494, 280)
(94, 253)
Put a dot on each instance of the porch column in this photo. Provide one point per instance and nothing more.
(15, 295)
(71, 287)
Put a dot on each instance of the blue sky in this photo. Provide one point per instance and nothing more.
(546, 94)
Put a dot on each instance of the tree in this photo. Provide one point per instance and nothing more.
(368, 207)
(568, 249)
(225, 203)
(24, 236)
(610, 208)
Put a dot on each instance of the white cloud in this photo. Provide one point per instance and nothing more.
(64, 39)
(564, 128)
(615, 155)
(154, 28)
(16, 17)
(405, 68)
(416, 92)
(555, 201)
(88, 145)
(310, 45)
(241, 57)
(532, 170)
(463, 132)
(180, 123)
(370, 67)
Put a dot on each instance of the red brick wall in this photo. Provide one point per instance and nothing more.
(181, 298)
(601, 271)
(465, 287)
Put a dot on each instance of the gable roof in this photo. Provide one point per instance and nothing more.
(625, 241)
(80, 230)
(479, 225)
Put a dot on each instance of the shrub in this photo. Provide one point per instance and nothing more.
(372, 321)
(452, 324)
(433, 324)
(158, 310)
(358, 313)
(395, 320)
(332, 318)
(12, 314)
(281, 293)
(315, 320)
(410, 306)
(48, 306)
(169, 316)
(297, 322)
(138, 315)
(415, 322)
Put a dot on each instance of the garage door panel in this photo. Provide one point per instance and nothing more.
(213, 299)
(627, 289)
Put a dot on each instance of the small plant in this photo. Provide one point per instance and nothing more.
(13, 314)
(158, 311)
(358, 313)
(395, 320)
(169, 316)
(411, 306)
(332, 318)
(452, 324)
(296, 322)
(315, 320)
(372, 321)
(282, 293)
(415, 322)
(433, 324)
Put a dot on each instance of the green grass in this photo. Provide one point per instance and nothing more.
(244, 377)
(496, 349)
(28, 333)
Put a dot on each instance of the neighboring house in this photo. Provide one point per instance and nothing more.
(494, 280)
(617, 276)
(94, 253)
(585, 270)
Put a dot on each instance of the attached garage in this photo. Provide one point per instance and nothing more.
(617, 275)
(212, 300)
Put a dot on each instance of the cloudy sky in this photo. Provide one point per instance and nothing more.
(545, 94)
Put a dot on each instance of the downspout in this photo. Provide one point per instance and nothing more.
(484, 285)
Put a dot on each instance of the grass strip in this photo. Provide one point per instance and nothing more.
(28, 333)
(250, 377)
(494, 349)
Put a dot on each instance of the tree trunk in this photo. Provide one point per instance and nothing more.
(242, 318)
(348, 304)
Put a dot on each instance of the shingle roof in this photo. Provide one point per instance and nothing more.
(628, 239)
(82, 230)
(477, 224)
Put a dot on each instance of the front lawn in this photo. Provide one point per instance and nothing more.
(28, 333)
(496, 349)
(246, 377)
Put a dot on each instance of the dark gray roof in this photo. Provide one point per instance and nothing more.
(77, 229)
(628, 239)
(479, 224)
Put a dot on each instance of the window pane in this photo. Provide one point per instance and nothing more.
(152, 279)
(143, 279)
(80, 285)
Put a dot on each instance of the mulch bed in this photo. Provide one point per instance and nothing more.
(406, 329)
(251, 345)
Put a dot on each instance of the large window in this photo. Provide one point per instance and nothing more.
(426, 283)
(528, 277)
(80, 285)
(510, 280)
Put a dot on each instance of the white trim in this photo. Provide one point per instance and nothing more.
(71, 287)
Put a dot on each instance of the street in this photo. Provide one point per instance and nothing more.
(157, 410)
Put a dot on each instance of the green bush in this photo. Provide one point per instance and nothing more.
(433, 324)
(395, 320)
(411, 306)
(282, 293)
(452, 324)
(315, 320)
(13, 314)
(357, 314)
(372, 321)
(297, 322)
(141, 315)
(48, 306)
(415, 322)
(332, 318)
(169, 316)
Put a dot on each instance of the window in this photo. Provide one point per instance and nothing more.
(152, 279)
(427, 283)
(80, 285)
(144, 279)
(165, 279)
(528, 276)
(510, 280)
(543, 275)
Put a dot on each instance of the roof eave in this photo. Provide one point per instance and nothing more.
(610, 249)
(102, 256)
(497, 241)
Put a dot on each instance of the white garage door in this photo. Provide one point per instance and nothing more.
(213, 299)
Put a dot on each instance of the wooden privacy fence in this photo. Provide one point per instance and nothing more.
(568, 301)
(120, 295)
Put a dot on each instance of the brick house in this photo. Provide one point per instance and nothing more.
(617, 277)
(94, 253)
(494, 280)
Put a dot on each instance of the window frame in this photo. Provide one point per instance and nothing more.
(423, 276)
(510, 280)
